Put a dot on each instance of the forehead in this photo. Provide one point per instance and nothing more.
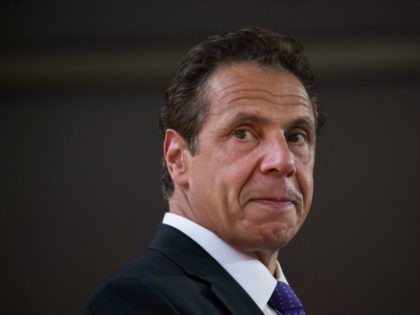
(253, 85)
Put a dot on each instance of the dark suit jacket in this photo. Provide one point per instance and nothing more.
(173, 276)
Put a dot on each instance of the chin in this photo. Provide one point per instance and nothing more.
(278, 236)
(267, 240)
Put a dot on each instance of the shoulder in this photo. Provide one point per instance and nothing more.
(135, 289)
(128, 295)
(154, 284)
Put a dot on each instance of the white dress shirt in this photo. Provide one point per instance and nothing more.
(250, 273)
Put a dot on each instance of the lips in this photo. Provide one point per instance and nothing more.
(274, 194)
(273, 201)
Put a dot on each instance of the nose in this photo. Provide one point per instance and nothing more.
(277, 158)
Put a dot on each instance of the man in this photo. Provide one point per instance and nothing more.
(239, 128)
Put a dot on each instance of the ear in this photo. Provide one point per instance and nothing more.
(175, 151)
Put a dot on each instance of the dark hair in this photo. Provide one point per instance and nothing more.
(186, 103)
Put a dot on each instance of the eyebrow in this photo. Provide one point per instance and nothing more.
(241, 116)
(304, 120)
(247, 117)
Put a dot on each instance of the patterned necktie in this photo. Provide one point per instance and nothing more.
(285, 301)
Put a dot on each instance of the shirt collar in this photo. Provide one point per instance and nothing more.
(249, 272)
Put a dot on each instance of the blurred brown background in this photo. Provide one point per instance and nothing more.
(81, 83)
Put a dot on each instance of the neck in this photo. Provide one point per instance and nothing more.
(178, 204)
(268, 259)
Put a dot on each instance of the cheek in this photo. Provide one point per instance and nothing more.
(229, 181)
(234, 167)
(305, 181)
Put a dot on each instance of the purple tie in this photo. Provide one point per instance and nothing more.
(285, 301)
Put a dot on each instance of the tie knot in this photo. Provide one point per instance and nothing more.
(285, 301)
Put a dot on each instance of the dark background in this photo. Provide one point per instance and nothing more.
(81, 83)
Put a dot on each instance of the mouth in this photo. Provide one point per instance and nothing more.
(282, 203)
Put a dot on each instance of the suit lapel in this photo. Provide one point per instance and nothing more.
(197, 263)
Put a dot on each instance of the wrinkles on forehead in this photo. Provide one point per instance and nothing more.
(231, 84)
(258, 95)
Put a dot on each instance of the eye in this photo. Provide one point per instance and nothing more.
(297, 137)
(243, 134)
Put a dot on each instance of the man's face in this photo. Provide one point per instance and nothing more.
(251, 181)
